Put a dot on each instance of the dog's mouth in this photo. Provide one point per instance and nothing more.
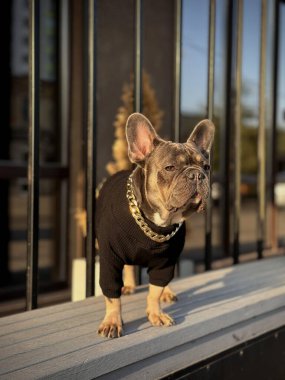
(195, 203)
(196, 199)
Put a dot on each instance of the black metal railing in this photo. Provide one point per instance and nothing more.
(210, 115)
(231, 138)
(237, 130)
(33, 163)
(91, 154)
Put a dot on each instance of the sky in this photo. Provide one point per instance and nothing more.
(194, 55)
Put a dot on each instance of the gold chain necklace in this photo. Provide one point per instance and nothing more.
(135, 211)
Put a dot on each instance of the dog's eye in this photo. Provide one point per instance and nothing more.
(170, 168)
(207, 167)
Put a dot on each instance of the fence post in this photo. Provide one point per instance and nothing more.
(177, 69)
(272, 154)
(138, 57)
(33, 158)
(210, 115)
(225, 159)
(237, 133)
(261, 179)
(91, 156)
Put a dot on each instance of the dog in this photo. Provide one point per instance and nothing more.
(140, 216)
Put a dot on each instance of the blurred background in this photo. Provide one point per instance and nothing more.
(63, 107)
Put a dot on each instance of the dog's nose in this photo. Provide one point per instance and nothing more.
(195, 175)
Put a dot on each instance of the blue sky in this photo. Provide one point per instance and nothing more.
(194, 55)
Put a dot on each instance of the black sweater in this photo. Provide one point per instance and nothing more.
(121, 241)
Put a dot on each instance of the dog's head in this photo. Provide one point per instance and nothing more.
(176, 176)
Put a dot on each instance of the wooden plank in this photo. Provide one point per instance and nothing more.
(64, 328)
(66, 344)
(93, 361)
(196, 351)
(63, 319)
(39, 316)
(58, 332)
(44, 325)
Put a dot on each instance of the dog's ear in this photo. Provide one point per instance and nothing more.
(203, 136)
(141, 137)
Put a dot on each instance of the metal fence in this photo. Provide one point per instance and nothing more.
(231, 153)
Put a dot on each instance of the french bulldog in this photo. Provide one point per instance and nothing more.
(140, 216)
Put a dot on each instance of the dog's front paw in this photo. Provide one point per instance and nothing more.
(111, 327)
(127, 290)
(161, 319)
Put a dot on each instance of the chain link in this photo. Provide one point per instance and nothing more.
(135, 211)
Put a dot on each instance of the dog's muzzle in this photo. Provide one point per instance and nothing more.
(191, 191)
(198, 180)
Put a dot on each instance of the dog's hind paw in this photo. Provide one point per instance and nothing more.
(127, 290)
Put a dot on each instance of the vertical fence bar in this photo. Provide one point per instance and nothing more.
(177, 69)
(261, 145)
(91, 156)
(237, 133)
(138, 101)
(64, 91)
(272, 130)
(225, 161)
(211, 59)
(210, 115)
(33, 159)
(177, 80)
(138, 57)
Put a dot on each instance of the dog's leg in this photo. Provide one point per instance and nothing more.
(154, 312)
(129, 280)
(168, 295)
(111, 326)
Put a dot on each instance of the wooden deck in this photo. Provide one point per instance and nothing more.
(216, 311)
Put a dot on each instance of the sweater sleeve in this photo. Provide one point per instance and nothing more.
(111, 272)
(161, 269)
(161, 276)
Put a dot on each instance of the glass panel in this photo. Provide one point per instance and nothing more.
(250, 108)
(13, 245)
(115, 44)
(115, 92)
(194, 63)
(195, 29)
(194, 71)
(50, 141)
(48, 232)
(158, 60)
(219, 119)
